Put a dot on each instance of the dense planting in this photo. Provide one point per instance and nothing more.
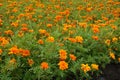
(58, 39)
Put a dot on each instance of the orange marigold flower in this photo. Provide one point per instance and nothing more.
(24, 25)
(40, 41)
(1, 51)
(95, 66)
(20, 33)
(63, 54)
(31, 30)
(89, 9)
(107, 42)
(114, 39)
(112, 55)
(63, 65)
(30, 62)
(58, 18)
(96, 30)
(85, 67)
(12, 61)
(49, 25)
(95, 37)
(119, 59)
(82, 24)
(15, 24)
(44, 65)
(1, 4)
(8, 32)
(14, 50)
(24, 29)
(73, 40)
(25, 53)
(79, 39)
(72, 57)
(50, 39)
(42, 31)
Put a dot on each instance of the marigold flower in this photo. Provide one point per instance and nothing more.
(85, 67)
(119, 59)
(95, 37)
(44, 65)
(1, 51)
(73, 40)
(24, 25)
(96, 30)
(8, 32)
(95, 66)
(63, 54)
(1, 4)
(12, 61)
(15, 24)
(107, 42)
(72, 57)
(114, 39)
(14, 50)
(83, 24)
(42, 31)
(24, 29)
(25, 53)
(49, 25)
(63, 65)
(30, 62)
(50, 39)
(89, 9)
(112, 55)
(79, 39)
(58, 18)
(40, 41)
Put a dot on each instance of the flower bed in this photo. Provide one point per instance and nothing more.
(58, 39)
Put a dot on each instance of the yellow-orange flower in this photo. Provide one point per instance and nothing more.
(114, 39)
(83, 24)
(44, 65)
(107, 42)
(30, 62)
(12, 61)
(112, 55)
(1, 51)
(25, 53)
(42, 31)
(95, 66)
(14, 50)
(96, 30)
(58, 17)
(63, 65)
(49, 25)
(40, 41)
(95, 37)
(72, 57)
(119, 59)
(79, 39)
(63, 54)
(15, 24)
(8, 32)
(85, 67)
(50, 39)
(73, 40)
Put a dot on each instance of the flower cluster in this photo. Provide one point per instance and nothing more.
(54, 39)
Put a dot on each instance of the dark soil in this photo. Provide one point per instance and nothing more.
(111, 72)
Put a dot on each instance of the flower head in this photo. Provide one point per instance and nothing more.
(85, 67)
(95, 66)
(63, 65)
(44, 65)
